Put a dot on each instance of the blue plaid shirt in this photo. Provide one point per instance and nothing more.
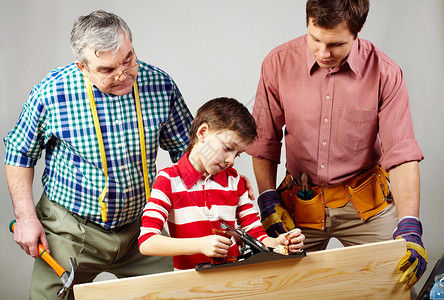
(57, 118)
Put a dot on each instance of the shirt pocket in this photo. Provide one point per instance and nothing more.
(357, 129)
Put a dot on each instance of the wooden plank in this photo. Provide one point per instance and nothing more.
(357, 272)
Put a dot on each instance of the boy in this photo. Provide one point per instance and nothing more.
(203, 189)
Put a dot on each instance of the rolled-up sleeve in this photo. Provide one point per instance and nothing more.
(269, 116)
(24, 144)
(395, 123)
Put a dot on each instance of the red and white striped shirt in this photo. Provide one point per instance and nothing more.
(193, 205)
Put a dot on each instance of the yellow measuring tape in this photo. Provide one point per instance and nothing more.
(103, 207)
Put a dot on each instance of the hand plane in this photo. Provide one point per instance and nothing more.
(253, 250)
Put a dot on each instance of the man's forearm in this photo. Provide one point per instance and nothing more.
(19, 181)
(405, 185)
(265, 172)
(28, 229)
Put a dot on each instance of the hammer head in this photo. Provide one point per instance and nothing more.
(68, 278)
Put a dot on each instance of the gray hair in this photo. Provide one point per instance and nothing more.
(100, 30)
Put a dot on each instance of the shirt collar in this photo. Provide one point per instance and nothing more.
(311, 61)
(351, 60)
(190, 176)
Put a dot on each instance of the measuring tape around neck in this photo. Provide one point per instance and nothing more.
(103, 206)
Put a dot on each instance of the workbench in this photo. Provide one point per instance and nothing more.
(356, 272)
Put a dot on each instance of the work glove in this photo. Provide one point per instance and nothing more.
(414, 262)
(275, 218)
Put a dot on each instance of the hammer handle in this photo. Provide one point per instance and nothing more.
(44, 254)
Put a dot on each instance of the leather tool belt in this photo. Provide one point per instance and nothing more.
(369, 193)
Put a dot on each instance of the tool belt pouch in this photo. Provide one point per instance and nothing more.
(369, 192)
(305, 213)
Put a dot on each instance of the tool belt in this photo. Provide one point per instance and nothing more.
(368, 192)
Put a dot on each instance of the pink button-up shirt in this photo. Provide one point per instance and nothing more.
(338, 122)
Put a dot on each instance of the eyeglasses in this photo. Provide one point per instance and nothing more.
(116, 77)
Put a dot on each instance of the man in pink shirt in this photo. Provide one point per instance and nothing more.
(345, 108)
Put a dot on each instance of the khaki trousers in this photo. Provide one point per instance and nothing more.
(344, 224)
(96, 249)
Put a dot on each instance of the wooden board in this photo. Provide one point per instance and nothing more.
(358, 272)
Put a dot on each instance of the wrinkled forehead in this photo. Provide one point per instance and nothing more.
(121, 53)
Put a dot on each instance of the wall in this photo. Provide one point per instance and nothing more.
(212, 49)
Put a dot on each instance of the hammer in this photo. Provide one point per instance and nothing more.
(68, 278)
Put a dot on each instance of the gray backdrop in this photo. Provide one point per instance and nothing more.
(212, 49)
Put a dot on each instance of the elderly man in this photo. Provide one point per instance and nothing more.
(100, 121)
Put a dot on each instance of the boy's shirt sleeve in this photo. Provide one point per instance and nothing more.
(247, 215)
(157, 209)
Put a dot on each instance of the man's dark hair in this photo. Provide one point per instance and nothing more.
(329, 13)
(224, 114)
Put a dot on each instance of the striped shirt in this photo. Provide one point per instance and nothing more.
(57, 118)
(192, 205)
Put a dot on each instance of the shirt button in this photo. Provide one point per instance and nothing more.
(324, 143)
(122, 168)
(325, 120)
(327, 98)
(322, 166)
(120, 145)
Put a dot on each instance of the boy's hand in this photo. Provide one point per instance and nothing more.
(215, 245)
(293, 239)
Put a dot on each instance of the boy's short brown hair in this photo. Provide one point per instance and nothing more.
(224, 114)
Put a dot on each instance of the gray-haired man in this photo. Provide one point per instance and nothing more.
(100, 121)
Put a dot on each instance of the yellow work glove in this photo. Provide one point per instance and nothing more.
(414, 263)
(275, 218)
